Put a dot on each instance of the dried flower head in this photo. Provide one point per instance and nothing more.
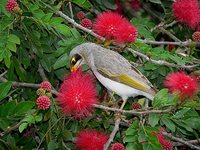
(80, 15)
(89, 139)
(136, 105)
(118, 146)
(11, 5)
(135, 4)
(166, 144)
(187, 12)
(43, 102)
(46, 85)
(182, 84)
(87, 23)
(77, 94)
(196, 36)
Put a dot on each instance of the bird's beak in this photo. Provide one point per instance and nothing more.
(74, 68)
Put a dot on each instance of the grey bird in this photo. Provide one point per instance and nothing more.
(112, 70)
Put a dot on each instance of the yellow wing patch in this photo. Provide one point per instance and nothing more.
(132, 83)
(125, 79)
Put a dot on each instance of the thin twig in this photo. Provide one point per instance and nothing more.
(197, 141)
(8, 130)
(180, 140)
(24, 84)
(79, 26)
(132, 112)
(116, 128)
(162, 62)
(70, 9)
(42, 74)
(1, 75)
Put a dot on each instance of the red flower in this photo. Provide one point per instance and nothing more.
(187, 12)
(45, 85)
(107, 23)
(77, 94)
(136, 105)
(11, 5)
(119, 7)
(90, 140)
(43, 102)
(135, 4)
(182, 84)
(87, 23)
(126, 33)
(118, 146)
(80, 15)
(113, 26)
(166, 144)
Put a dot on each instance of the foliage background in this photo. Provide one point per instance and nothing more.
(38, 42)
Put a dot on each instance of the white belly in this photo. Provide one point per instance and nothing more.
(120, 89)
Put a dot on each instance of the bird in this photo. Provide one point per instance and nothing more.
(112, 70)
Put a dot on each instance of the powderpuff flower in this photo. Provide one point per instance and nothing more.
(113, 26)
(182, 84)
(87, 23)
(187, 12)
(118, 146)
(77, 94)
(11, 5)
(107, 23)
(89, 139)
(43, 102)
(45, 85)
(125, 33)
(166, 144)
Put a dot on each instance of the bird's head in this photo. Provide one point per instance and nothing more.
(78, 56)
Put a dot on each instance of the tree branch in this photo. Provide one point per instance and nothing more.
(180, 140)
(59, 13)
(116, 128)
(161, 62)
(132, 112)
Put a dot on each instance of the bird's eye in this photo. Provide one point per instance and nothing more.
(73, 60)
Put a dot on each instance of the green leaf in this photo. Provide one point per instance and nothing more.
(153, 119)
(11, 46)
(169, 124)
(14, 39)
(61, 61)
(130, 138)
(5, 88)
(131, 146)
(29, 119)
(83, 3)
(23, 107)
(156, 1)
(161, 98)
(38, 118)
(22, 127)
(64, 29)
(179, 114)
(52, 145)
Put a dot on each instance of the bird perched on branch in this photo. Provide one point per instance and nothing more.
(112, 70)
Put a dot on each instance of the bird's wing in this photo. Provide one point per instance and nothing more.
(127, 80)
